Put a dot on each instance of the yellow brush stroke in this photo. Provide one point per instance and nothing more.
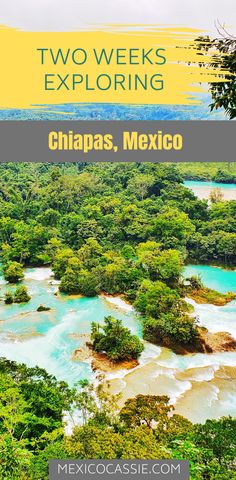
(22, 75)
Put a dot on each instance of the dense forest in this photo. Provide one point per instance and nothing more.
(45, 209)
(216, 172)
(32, 404)
(115, 228)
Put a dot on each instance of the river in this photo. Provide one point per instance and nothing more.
(203, 189)
(48, 339)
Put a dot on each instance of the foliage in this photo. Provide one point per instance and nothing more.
(116, 340)
(216, 195)
(13, 272)
(173, 228)
(165, 265)
(15, 459)
(166, 319)
(155, 298)
(89, 215)
(9, 299)
(32, 405)
(21, 294)
(171, 330)
(146, 410)
(117, 228)
(96, 404)
(31, 402)
(120, 229)
(224, 93)
(219, 436)
(224, 56)
(195, 282)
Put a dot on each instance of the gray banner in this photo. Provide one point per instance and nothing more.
(119, 469)
(112, 141)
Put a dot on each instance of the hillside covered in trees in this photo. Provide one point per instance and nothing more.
(45, 208)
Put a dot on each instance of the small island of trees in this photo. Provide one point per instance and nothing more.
(32, 407)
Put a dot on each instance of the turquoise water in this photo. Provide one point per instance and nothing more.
(48, 339)
(215, 319)
(214, 277)
(202, 184)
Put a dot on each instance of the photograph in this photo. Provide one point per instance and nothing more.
(117, 332)
(118, 278)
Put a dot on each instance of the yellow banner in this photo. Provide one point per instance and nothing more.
(112, 64)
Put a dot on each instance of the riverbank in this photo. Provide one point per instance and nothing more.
(202, 189)
(216, 342)
(99, 361)
(212, 297)
(186, 383)
(206, 343)
(118, 301)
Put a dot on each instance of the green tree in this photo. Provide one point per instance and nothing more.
(85, 400)
(49, 218)
(173, 228)
(139, 185)
(88, 283)
(149, 410)
(219, 436)
(155, 298)
(69, 282)
(90, 253)
(224, 93)
(140, 442)
(13, 272)
(15, 459)
(32, 403)
(171, 330)
(93, 442)
(39, 462)
(61, 261)
(216, 195)
(9, 297)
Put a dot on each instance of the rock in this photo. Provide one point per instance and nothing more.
(42, 308)
(81, 354)
(85, 337)
(207, 295)
(101, 363)
(217, 342)
(207, 343)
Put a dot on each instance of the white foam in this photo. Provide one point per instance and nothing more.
(40, 273)
(181, 387)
